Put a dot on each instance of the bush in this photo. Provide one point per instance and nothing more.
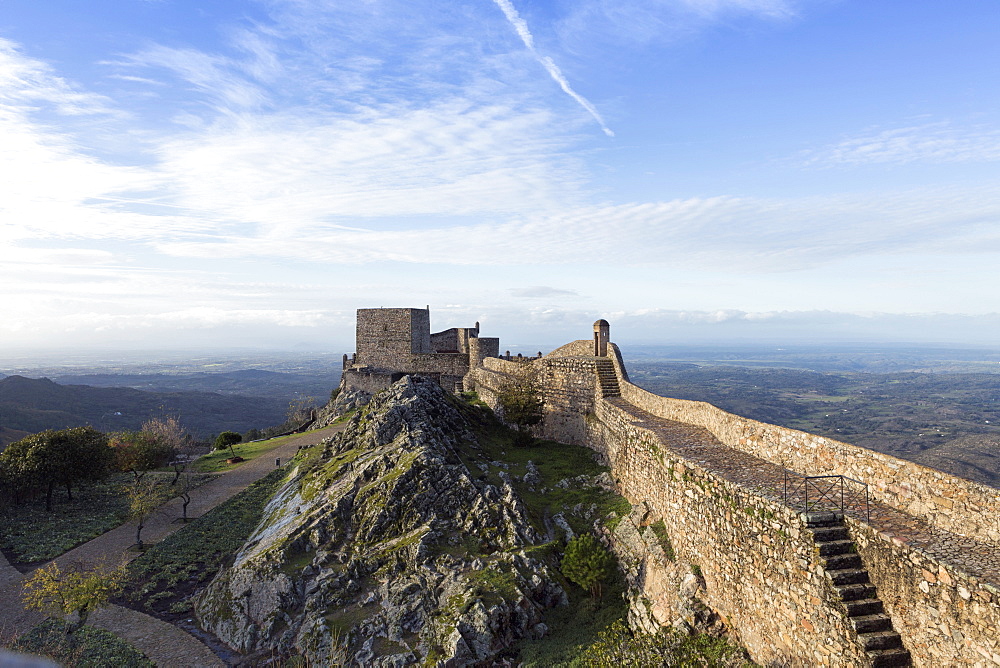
(587, 563)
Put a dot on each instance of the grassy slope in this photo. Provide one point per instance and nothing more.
(29, 534)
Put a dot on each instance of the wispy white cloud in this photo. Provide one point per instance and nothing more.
(941, 142)
(543, 292)
(605, 25)
(745, 234)
(521, 27)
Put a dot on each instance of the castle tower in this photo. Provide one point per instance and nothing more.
(601, 337)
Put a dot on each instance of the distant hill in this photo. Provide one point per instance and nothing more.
(32, 405)
(249, 382)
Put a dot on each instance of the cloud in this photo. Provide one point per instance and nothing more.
(521, 27)
(751, 235)
(542, 292)
(608, 25)
(940, 142)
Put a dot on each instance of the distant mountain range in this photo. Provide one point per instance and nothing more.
(248, 382)
(31, 405)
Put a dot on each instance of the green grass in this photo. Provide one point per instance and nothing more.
(169, 572)
(28, 533)
(554, 461)
(87, 648)
(574, 627)
(215, 461)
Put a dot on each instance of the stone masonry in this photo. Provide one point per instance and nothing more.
(912, 576)
(393, 342)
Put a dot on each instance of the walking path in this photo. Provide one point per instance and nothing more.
(165, 644)
(767, 479)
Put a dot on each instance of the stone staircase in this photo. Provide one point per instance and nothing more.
(865, 611)
(607, 378)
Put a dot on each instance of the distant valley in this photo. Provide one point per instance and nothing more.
(29, 405)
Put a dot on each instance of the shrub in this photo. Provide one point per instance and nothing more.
(587, 563)
(227, 439)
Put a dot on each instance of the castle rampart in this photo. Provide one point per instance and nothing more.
(392, 342)
(714, 480)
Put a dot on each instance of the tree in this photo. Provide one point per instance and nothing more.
(228, 439)
(144, 496)
(55, 591)
(168, 431)
(185, 494)
(138, 452)
(521, 403)
(56, 458)
(587, 563)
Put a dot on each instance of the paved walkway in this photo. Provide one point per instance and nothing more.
(698, 445)
(165, 644)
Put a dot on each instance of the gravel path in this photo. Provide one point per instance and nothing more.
(165, 644)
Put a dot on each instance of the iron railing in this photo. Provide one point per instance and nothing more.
(830, 493)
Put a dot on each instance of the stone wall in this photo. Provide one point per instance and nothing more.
(952, 503)
(946, 616)
(369, 380)
(757, 565)
(384, 335)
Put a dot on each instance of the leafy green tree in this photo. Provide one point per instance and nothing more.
(138, 452)
(587, 563)
(228, 439)
(53, 458)
(55, 591)
(521, 403)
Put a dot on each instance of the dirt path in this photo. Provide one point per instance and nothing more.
(165, 644)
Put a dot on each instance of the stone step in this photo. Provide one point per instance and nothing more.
(872, 623)
(889, 658)
(829, 534)
(822, 518)
(838, 562)
(836, 547)
(848, 576)
(857, 592)
(864, 606)
(881, 640)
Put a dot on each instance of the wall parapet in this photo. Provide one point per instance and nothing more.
(958, 505)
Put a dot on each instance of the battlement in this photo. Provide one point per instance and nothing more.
(924, 550)
(393, 342)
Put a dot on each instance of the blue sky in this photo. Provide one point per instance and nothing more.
(190, 174)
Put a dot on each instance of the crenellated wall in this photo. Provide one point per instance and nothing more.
(760, 569)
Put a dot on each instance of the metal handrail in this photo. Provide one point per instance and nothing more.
(829, 492)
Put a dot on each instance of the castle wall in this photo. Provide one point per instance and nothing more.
(385, 335)
(945, 616)
(759, 564)
(952, 503)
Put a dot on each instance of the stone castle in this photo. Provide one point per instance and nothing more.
(812, 552)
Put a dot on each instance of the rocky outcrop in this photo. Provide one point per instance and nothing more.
(346, 400)
(389, 548)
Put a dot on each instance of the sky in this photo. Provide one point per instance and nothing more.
(184, 174)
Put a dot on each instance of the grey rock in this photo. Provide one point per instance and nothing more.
(387, 514)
